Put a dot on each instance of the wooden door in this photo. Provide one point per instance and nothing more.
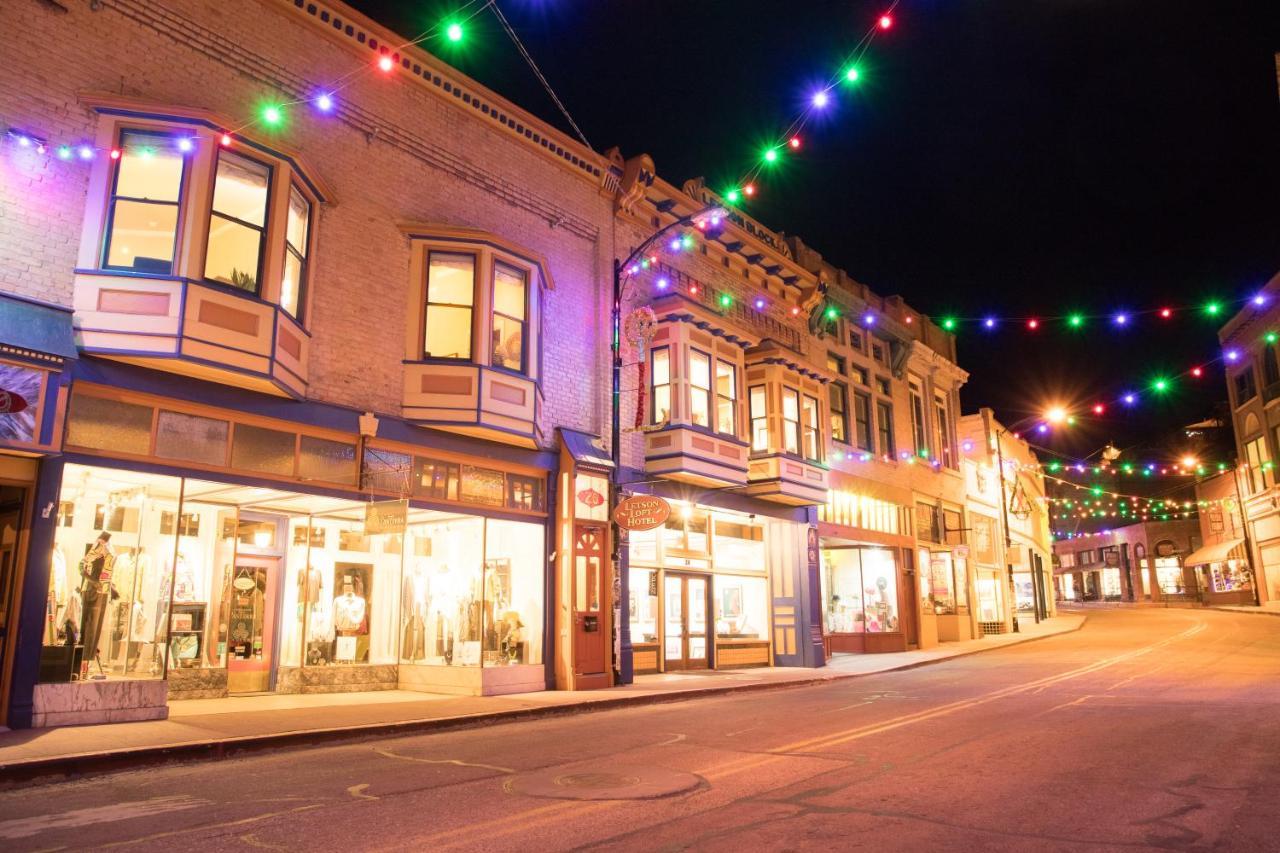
(685, 638)
(12, 532)
(590, 634)
(255, 596)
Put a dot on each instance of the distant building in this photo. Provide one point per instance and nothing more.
(1146, 561)
(1225, 576)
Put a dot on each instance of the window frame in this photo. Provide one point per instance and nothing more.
(839, 414)
(469, 358)
(1245, 375)
(304, 263)
(919, 420)
(811, 427)
(862, 405)
(494, 313)
(759, 420)
(109, 217)
(654, 385)
(791, 428)
(732, 398)
(706, 392)
(942, 428)
(884, 427)
(261, 229)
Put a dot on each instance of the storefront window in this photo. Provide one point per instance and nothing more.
(1111, 583)
(642, 609)
(942, 586)
(1024, 595)
(861, 590)
(739, 545)
(741, 608)
(111, 572)
(989, 598)
(1169, 576)
(513, 572)
(1231, 575)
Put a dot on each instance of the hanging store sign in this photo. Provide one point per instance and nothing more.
(385, 517)
(641, 512)
(590, 497)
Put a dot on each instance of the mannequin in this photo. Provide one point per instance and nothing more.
(413, 601)
(95, 591)
(348, 618)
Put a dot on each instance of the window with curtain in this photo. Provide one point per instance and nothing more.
(726, 397)
(660, 383)
(451, 285)
(510, 309)
(293, 285)
(791, 420)
(699, 388)
(759, 418)
(146, 191)
(238, 222)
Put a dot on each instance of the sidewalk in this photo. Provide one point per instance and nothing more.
(217, 728)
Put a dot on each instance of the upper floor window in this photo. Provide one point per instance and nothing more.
(294, 281)
(942, 425)
(879, 353)
(918, 434)
(451, 292)
(835, 364)
(884, 427)
(812, 434)
(238, 222)
(859, 374)
(839, 412)
(660, 389)
(510, 302)
(759, 418)
(726, 397)
(883, 386)
(699, 388)
(791, 420)
(1258, 458)
(146, 194)
(1246, 387)
(862, 421)
(856, 341)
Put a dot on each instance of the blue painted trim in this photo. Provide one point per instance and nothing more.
(39, 303)
(170, 335)
(305, 412)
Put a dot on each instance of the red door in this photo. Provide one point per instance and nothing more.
(590, 637)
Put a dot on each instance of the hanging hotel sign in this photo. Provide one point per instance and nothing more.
(385, 517)
(641, 512)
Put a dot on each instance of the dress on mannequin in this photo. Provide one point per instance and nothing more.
(95, 591)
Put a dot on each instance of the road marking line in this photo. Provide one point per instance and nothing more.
(28, 826)
(674, 739)
(386, 753)
(252, 840)
(1072, 703)
(357, 791)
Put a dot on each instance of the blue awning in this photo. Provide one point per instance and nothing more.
(37, 327)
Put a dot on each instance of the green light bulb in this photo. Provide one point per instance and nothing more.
(1271, 337)
(454, 32)
(732, 196)
(686, 242)
(948, 323)
(1212, 309)
(1075, 321)
(726, 300)
(771, 155)
(851, 75)
(1160, 385)
(271, 114)
(832, 313)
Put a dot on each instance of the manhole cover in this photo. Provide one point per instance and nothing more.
(631, 783)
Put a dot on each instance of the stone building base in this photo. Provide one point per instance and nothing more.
(79, 703)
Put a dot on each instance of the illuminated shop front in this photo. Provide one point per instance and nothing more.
(864, 588)
(1224, 573)
(700, 591)
(212, 584)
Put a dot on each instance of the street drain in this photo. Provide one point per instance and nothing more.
(629, 783)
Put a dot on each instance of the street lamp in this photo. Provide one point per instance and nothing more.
(712, 215)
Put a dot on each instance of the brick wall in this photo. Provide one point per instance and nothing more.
(395, 151)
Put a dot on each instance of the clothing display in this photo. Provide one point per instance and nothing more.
(310, 585)
(348, 612)
(96, 591)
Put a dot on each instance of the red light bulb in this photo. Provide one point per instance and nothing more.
(749, 189)
(794, 142)
(795, 310)
(885, 22)
(225, 140)
(115, 153)
(1166, 313)
(693, 289)
(1197, 372)
(1033, 324)
(1098, 408)
(385, 63)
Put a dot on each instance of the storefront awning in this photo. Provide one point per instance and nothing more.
(36, 327)
(1216, 553)
(585, 449)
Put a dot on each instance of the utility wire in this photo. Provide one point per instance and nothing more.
(515, 39)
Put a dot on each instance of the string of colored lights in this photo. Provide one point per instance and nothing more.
(1120, 320)
(272, 114)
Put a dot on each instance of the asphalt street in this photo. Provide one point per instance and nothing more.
(1148, 728)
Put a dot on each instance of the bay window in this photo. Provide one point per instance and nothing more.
(237, 222)
(699, 388)
(510, 298)
(726, 398)
(660, 387)
(759, 418)
(451, 285)
(791, 420)
(146, 193)
(293, 284)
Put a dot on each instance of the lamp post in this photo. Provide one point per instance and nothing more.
(713, 214)
(1004, 517)
(1244, 529)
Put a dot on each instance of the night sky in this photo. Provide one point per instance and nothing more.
(1014, 157)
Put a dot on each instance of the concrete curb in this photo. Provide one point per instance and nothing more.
(63, 767)
(1254, 612)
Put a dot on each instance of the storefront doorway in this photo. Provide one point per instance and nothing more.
(251, 622)
(590, 639)
(685, 635)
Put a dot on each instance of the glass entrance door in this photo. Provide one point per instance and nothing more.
(251, 612)
(685, 642)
